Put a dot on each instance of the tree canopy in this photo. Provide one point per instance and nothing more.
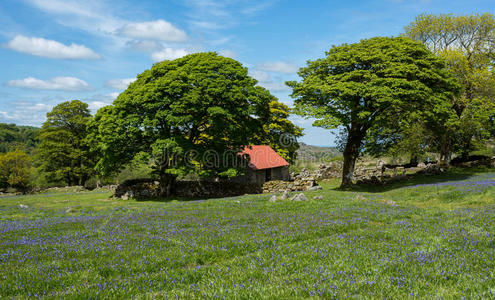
(467, 43)
(13, 136)
(14, 170)
(190, 114)
(279, 132)
(375, 83)
(63, 152)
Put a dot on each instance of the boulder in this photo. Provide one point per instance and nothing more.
(318, 197)
(285, 195)
(432, 169)
(390, 202)
(273, 198)
(360, 198)
(315, 188)
(22, 206)
(299, 197)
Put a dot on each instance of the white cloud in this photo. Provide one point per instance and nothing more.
(274, 86)
(154, 30)
(260, 76)
(266, 81)
(211, 15)
(26, 113)
(168, 54)
(98, 101)
(228, 53)
(95, 105)
(279, 67)
(40, 107)
(57, 83)
(90, 15)
(144, 45)
(6, 116)
(49, 48)
(206, 25)
(119, 84)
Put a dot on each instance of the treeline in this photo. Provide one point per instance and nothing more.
(14, 137)
(187, 117)
(430, 90)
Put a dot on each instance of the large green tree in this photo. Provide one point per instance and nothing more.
(192, 114)
(64, 153)
(371, 84)
(467, 43)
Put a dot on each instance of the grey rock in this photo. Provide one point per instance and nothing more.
(315, 188)
(23, 206)
(299, 197)
(318, 197)
(390, 202)
(285, 195)
(273, 198)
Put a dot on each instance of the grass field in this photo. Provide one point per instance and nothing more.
(430, 237)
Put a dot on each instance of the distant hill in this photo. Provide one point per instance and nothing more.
(13, 136)
(309, 152)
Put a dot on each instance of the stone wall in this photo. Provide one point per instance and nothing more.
(328, 171)
(211, 189)
(149, 188)
(298, 184)
(379, 174)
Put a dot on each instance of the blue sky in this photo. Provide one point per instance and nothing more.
(57, 50)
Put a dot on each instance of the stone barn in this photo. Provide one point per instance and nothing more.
(264, 165)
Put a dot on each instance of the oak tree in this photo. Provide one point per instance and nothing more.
(64, 152)
(192, 114)
(370, 84)
(467, 43)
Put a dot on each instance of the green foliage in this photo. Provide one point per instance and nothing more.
(13, 137)
(15, 170)
(279, 132)
(184, 114)
(467, 44)
(376, 83)
(63, 153)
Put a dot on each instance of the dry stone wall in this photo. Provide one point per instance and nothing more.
(149, 188)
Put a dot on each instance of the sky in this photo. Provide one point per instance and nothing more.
(58, 50)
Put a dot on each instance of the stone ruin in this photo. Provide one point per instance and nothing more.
(327, 171)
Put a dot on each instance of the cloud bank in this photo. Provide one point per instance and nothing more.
(70, 84)
(50, 48)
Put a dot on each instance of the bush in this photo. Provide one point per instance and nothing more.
(15, 170)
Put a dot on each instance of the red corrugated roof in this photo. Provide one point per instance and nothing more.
(264, 157)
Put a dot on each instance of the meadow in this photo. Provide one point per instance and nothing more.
(429, 237)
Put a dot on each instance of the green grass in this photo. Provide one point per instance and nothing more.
(401, 241)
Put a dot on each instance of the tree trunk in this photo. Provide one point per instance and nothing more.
(351, 153)
(167, 184)
(413, 161)
(445, 153)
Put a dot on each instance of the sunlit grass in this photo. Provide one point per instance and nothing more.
(407, 240)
